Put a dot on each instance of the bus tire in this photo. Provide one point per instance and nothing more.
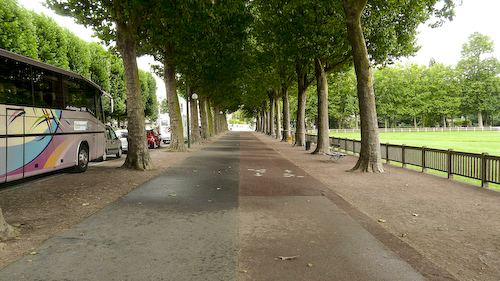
(82, 159)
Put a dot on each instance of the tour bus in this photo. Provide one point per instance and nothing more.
(50, 118)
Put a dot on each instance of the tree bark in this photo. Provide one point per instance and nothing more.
(265, 122)
(323, 145)
(370, 157)
(210, 119)
(7, 232)
(479, 119)
(302, 84)
(138, 154)
(286, 113)
(174, 110)
(278, 116)
(205, 134)
(271, 116)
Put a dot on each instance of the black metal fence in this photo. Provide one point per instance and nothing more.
(483, 167)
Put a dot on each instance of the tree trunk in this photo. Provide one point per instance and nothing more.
(323, 145)
(444, 121)
(271, 117)
(174, 110)
(302, 84)
(224, 122)
(286, 113)
(195, 127)
(370, 157)
(479, 119)
(210, 118)
(278, 117)
(415, 122)
(7, 232)
(205, 134)
(138, 153)
(216, 120)
(265, 117)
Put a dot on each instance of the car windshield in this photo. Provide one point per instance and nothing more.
(122, 134)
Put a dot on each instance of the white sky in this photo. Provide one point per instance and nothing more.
(443, 44)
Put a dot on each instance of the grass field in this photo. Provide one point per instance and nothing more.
(476, 142)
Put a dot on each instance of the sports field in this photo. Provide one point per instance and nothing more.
(476, 142)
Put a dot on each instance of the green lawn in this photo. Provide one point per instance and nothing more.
(476, 142)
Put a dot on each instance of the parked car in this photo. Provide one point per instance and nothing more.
(154, 139)
(123, 135)
(113, 144)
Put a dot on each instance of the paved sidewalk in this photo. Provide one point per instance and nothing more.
(228, 212)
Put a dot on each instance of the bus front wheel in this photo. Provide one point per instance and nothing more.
(83, 159)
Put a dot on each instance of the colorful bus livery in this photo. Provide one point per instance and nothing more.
(50, 118)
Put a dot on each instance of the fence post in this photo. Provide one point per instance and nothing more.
(450, 163)
(403, 160)
(484, 170)
(387, 159)
(424, 167)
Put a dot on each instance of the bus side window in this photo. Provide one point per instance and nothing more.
(76, 95)
(48, 85)
(15, 82)
(91, 94)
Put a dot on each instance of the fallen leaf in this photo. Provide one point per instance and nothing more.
(415, 215)
(85, 204)
(33, 253)
(310, 264)
(30, 260)
(173, 195)
(244, 271)
(287, 258)
(381, 220)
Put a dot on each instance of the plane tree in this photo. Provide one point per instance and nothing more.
(440, 92)
(478, 75)
(199, 39)
(379, 32)
(342, 96)
(18, 29)
(312, 35)
(119, 21)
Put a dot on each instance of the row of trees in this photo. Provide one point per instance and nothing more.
(430, 95)
(299, 42)
(40, 37)
(413, 95)
(248, 53)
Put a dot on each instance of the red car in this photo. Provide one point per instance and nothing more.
(154, 139)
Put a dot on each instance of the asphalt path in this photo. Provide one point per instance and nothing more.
(235, 210)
